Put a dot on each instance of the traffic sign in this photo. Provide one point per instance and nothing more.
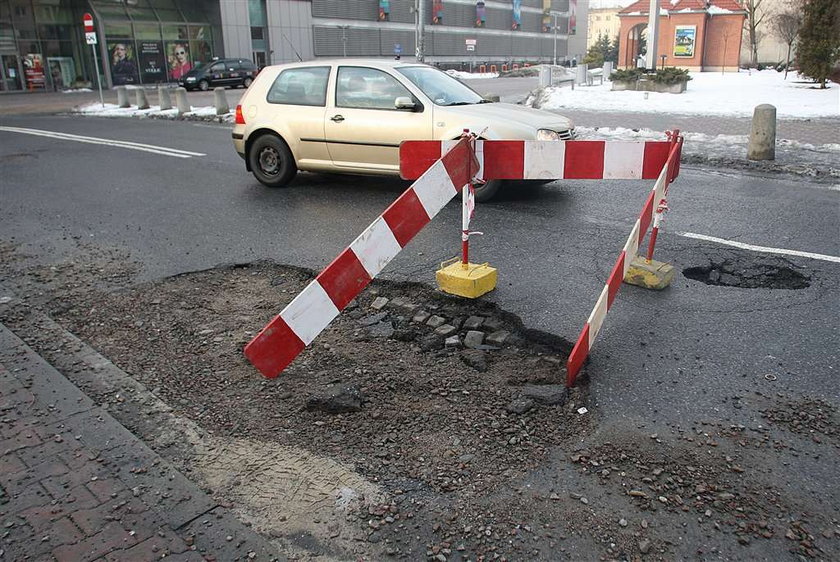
(471, 47)
(87, 19)
(90, 37)
(470, 42)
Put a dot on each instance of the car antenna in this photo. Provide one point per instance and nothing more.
(300, 59)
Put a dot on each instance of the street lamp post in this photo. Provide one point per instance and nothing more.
(555, 15)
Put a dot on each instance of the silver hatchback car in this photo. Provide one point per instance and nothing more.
(350, 116)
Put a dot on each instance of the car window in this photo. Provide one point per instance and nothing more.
(367, 88)
(440, 87)
(218, 67)
(247, 65)
(233, 65)
(301, 86)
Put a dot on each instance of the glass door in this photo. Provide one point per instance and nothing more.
(11, 72)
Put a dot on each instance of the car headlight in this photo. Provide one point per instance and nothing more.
(548, 135)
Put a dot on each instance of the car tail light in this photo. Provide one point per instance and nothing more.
(240, 119)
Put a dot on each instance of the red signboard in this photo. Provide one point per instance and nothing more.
(87, 19)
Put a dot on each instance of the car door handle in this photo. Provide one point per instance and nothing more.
(337, 118)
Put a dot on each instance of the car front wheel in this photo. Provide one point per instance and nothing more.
(271, 161)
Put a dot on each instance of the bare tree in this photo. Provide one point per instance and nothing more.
(754, 18)
(786, 27)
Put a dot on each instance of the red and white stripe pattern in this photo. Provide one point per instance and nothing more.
(586, 340)
(543, 160)
(277, 345)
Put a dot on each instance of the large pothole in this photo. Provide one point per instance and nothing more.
(767, 273)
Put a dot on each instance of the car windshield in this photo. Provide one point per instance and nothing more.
(440, 87)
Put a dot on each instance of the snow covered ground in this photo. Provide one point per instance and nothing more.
(709, 93)
(472, 75)
(113, 110)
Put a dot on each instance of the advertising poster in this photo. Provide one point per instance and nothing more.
(384, 10)
(152, 64)
(33, 71)
(62, 71)
(480, 14)
(437, 12)
(178, 55)
(546, 16)
(123, 63)
(517, 14)
(572, 17)
(684, 37)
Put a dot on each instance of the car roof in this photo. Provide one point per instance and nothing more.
(373, 63)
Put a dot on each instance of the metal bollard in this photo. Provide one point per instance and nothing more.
(122, 97)
(142, 102)
(181, 101)
(164, 99)
(222, 106)
(762, 144)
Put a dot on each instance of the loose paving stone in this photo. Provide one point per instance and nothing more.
(497, 338)
(445, 330)
(520, 406)
(473, 339)
(452, 341)
(379, 303)
(475, 359)
(337, 398)
(436, 321)
(421, 317)
(373, 319)
(473, 323)
(547, 394)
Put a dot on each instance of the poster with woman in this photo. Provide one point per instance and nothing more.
(437, 12)
(179, 59)
(480, 14)
(517, 14)
(384, 10)
(572, 17)
(62, 71)
(123, 67)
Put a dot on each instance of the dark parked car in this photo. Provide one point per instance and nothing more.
(221, 72)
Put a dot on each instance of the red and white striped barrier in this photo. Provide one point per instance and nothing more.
(542, 160)
(319, 303)
(655, 205)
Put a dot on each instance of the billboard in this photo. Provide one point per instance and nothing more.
(684, 39)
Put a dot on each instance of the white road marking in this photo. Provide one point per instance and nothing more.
(177, 153)
(764, 249)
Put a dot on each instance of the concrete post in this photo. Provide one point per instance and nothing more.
(580, 74)
(181, 101)
(222, 107)
(164, 99)
(142, 102)
(122, 97)
(608, 69)
(762, 144)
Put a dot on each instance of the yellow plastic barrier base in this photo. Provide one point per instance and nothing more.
(649, 274)
(471, 280)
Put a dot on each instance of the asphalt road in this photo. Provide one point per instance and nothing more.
(668, 357)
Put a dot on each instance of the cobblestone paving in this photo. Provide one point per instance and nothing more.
(76, 486)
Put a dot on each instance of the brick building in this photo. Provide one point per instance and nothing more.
(700, 35)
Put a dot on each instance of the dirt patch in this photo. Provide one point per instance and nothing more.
(767, 273)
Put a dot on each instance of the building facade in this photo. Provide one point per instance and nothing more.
(43, 46)
(699, 35)
(603, 20)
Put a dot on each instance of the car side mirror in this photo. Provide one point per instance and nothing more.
(404, 102)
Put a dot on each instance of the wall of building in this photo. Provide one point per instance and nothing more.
(602, 21)
(723, 42)
(236, 28)
(289, 31)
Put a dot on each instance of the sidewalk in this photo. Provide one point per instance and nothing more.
(77, 486)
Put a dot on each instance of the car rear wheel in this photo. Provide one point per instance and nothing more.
(204, 85)
(271, 161)
(247, 82)
(487, 191)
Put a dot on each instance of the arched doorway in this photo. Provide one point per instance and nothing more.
(636, 45)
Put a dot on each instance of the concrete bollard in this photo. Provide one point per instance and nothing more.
(181, 101)
(164, 99)
(222, 106)
(762, 144)
(122, 97)
(142, 102)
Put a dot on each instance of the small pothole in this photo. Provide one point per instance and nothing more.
(769, 273)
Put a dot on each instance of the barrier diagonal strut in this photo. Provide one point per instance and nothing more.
(300, 322)
(655, 205)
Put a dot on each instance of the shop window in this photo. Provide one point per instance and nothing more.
(193, 10)
(147, 31)
(109, 11)
(117, 29)
(139, 10)
(201, 52)
(59, 32)
(57, 12)
(174, 31)
(257, 34)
